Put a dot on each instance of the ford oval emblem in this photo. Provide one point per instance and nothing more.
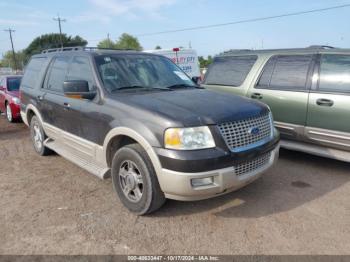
(254, 131)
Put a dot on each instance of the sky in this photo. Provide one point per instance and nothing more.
(94, 19)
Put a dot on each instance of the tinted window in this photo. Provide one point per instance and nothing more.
(335, 73)
(230, 70)
(58, 73)
(80, 70)
(286, 72)
(33, 73)
(13, 83)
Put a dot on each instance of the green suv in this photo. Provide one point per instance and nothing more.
(307, 89)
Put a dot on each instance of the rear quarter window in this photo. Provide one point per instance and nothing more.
(335, 73)
(33, 73)
(230, 70)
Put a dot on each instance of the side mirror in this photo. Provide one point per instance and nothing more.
(196, 80)
(78, 89)
(2, 88)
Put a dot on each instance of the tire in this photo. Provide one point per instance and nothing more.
(8, 113)
(130, 164)
(38, 137)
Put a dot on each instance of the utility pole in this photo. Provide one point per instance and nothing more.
(59, 20)
(10, 31)
(109, 41)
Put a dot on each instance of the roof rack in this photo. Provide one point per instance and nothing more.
(81, 48)
(62, 49)
(92, 48)
(321, 47)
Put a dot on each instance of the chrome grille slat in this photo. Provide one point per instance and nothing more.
(252, 165)
(236, 134)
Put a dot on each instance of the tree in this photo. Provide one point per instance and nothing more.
(127, 41)
(8, 61)
(48, 41)
(158, 47)
(106, 43)
(204, 63)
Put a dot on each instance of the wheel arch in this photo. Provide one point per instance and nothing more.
(30, 112)
(120, 136)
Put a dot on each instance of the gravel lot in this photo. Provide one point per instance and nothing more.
(50, 206)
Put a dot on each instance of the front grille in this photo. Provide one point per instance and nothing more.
(252, 165)
(237, 134)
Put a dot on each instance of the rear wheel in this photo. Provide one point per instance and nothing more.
(9, 116)
(38, 137)
(135, 180)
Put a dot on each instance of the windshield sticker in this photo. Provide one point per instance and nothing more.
(107, 59)
(181, 75)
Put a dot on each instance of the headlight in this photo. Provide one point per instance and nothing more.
(188, 138)
(16, 100)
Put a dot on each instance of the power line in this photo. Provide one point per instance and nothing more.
(59, 20)
(10, 31)
(247, 20)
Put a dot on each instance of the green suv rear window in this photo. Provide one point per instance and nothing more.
(229, 70)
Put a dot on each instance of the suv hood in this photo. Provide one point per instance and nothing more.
(194, 107)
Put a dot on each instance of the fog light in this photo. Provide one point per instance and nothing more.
(206, 181)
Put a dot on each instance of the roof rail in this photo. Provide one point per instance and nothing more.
(321, 47)
(62, 49)
(93, 48)
(82, 48)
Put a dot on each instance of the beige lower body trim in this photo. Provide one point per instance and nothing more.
(179, 186)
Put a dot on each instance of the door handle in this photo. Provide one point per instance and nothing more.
(66, 106)
(256, 96)
(324, 102)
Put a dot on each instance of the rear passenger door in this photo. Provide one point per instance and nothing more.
(284, 85)
(328, 120)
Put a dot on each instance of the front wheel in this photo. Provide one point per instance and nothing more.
(135, 180)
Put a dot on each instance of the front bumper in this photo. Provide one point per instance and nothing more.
(177, 185)
(16, 111)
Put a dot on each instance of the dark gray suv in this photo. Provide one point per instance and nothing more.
(139, 118)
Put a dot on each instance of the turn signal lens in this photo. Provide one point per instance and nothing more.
(191, 138)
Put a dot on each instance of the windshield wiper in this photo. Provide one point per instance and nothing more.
(181, 86)
(141, 87)
(129, 87)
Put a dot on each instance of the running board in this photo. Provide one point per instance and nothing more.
(316, 150)
(66, 152)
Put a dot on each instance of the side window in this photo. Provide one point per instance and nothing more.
(287, 72)
(230, 70)
(58, 72)
(80, 69)
(335, 73)
(33, 73)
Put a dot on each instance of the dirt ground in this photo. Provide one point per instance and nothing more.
(50, 206)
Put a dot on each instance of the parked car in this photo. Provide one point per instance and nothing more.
(307, 89)
(138, 117)
(185, 58)
(9, 97)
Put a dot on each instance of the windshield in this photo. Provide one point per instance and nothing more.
(13, 83)
(145, 72)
